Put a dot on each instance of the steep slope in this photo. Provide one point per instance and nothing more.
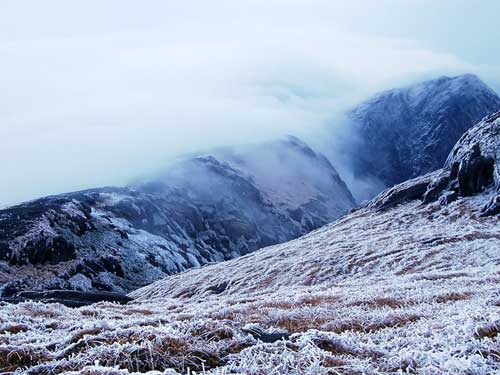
(404, 133)
(406, 284)
(201, 210)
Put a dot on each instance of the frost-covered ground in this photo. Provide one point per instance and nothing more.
(415, 289)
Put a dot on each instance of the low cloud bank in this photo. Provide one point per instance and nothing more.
(96, 94)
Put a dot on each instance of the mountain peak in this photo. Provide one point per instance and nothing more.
(468, 83)
(435, 88)
(407, 132)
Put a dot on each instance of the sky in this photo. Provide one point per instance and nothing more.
(100, 92)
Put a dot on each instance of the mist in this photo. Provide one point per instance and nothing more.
(98, 93)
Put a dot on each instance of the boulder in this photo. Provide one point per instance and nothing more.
(404, 192)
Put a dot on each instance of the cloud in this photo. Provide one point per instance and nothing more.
(96, 93)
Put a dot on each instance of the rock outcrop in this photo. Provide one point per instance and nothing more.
(472, 167)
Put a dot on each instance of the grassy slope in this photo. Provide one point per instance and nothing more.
(411, 290)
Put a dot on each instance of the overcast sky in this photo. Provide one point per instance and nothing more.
(96, 92)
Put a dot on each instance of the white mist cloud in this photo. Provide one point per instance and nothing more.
(95, 93)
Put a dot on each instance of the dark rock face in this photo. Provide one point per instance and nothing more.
(405, 133)
(437, 184)
(205, 209)
(68, 298)
(473, 173)
(471, 168)
(407, 191)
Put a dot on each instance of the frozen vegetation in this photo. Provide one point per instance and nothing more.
(407, 284)
(413, 289)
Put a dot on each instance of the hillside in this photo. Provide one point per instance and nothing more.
(404, 133)
(406, 284)
(203, 209)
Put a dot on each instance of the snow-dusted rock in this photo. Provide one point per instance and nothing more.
(202, 210)
(406, 191)
(471, 168)
(404, 133)
(484, 138)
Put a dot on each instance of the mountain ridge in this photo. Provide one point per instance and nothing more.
(402, 133)
(201, 210)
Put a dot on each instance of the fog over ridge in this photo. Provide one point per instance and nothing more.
(97, 94)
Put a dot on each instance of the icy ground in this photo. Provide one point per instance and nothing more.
(415, 289)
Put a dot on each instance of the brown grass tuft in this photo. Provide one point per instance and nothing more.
(490, 330)
(319, 300)
(89, 312)
(283, 305)
(382, 302)
(40, 310)
(14, 328)
(453, 296)
(393, 320)
(82, 333)
(13, 358)
(138, 312)
(332, 361)
(298, 324)
(53, 325)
